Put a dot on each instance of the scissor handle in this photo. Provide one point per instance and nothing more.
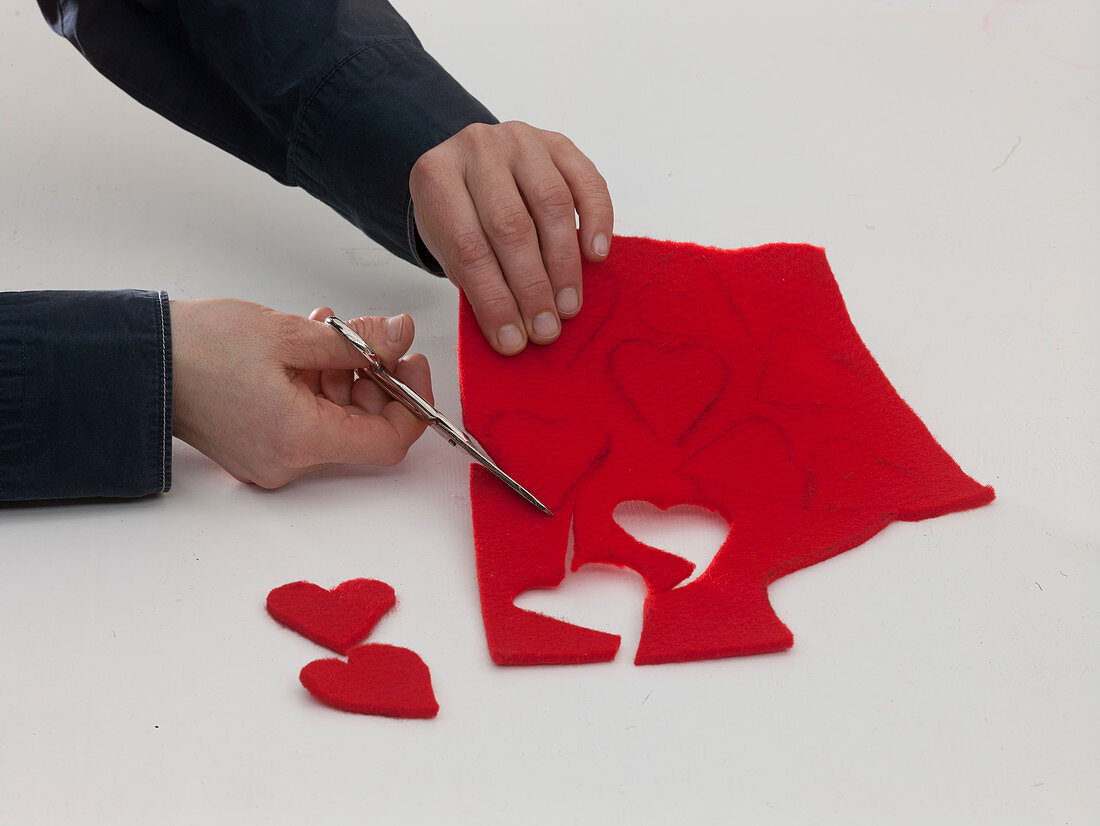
(356, 341)
(392, 385)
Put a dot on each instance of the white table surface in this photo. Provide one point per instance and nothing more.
(944, 154)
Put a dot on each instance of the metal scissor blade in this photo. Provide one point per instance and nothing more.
(458, 438)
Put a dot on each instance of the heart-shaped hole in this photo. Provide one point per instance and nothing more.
(600, 597)
(689, 531)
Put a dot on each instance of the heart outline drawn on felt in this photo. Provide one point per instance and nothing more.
(378, 679)
(337, 618)
(648, 374)
(519, 442)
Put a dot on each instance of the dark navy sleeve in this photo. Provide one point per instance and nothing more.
(85, 394)
(336, 96)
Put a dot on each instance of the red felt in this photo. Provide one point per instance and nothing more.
(336, 619)
(376, 679)
(729, 379)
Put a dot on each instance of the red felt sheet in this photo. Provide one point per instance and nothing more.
(728, 379)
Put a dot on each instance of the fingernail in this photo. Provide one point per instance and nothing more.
(393, 327)
(510, 338)
(600, 244)
(568, 301)
(546, 325)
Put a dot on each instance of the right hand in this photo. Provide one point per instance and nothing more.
(271, 396)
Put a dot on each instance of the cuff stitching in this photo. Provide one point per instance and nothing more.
(22, 400)
(161, 296)
(410, 235)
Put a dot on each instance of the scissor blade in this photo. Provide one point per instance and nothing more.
(426, 411)
(458, 438)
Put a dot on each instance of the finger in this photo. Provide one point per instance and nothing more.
(379, 439)
(389, 337)
(367, 396)
(550, 201)
(590, 195)
(313, 345)
(452, 230)
(312, 378)
(511, 231)
(414, 372)
(365, 392)
(336, 385)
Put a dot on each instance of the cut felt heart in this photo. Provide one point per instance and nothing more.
(674, 386)
(336, 619)
(376, 679)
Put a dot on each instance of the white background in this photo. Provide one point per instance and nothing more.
(944, 154)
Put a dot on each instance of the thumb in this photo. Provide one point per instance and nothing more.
(320, 346)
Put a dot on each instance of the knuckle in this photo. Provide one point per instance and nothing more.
(594, 184)
(555, 201)
(471, 250)
(477, 133)
(533, 287)
(426, 169)
(558, 140)
(510, 224)
(516, 127)
(496, 305)
(565, 264)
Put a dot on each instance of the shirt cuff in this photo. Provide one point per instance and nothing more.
(85, 394)
(362, 130)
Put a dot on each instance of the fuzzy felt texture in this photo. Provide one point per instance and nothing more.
(729, 379)
(336, 619)
(376, 679)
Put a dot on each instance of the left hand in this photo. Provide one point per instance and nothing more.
(497, 206)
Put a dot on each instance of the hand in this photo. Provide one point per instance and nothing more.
(497, 207)
(271, 396)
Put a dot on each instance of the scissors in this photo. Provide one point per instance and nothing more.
(423, 410)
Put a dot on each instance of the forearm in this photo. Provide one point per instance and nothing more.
(337, 97)
(85, 394)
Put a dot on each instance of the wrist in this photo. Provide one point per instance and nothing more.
(182, 315)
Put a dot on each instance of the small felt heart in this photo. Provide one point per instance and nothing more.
(336, 619)
(377, 679)
(670, 387)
